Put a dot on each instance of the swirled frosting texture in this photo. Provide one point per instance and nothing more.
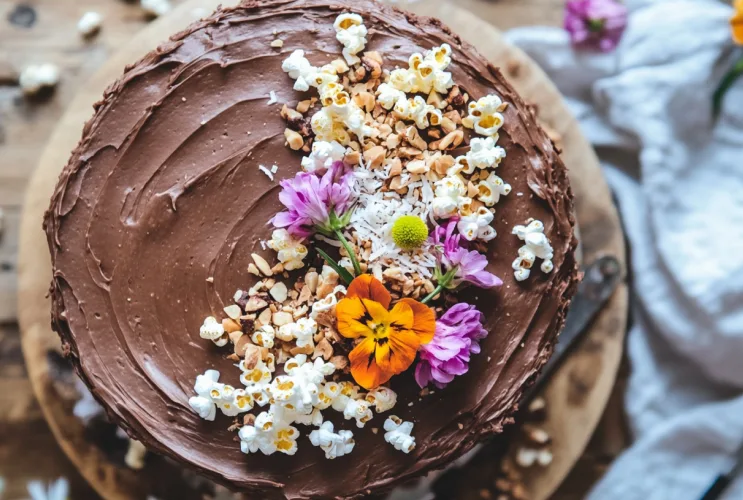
(164, 192)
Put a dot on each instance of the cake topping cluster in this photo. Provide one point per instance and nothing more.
(400, 213)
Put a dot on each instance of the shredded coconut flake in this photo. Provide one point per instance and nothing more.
(274, 169)
(376, 211)
(272, 98)
(266, 171)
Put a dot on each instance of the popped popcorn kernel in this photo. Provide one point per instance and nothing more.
(536, 244)
(491, 189)
(323, 155)
(477, 225)
(485, 115)
(333, 444)
(291, 252)
(398, 434)
(351, 33)
(383, 398)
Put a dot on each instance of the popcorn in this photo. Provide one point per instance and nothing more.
(259, 375)
(264, 336)
(425, 73)
(483, 154)
(268, 435)
(351, 33)
(490, 190)
(535, 245)
(477, 225)
(322, 157)
(327, 305)
(89, 23)
(291, 252)
(212, 395)
(449, 193)
(299, 68)
(322, 125)
(417, 110)
(314, 419)
(383, 398)
(485, 115)
(398, 434)
(303, 331)
(333, 444)
(348, 392)
(299, 389)
(329, 392)
(359, 410)
(214, 331)
(34, 78)
(388, 96)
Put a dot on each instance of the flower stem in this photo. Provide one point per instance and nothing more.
(350, 251)
(727, 81)
(440, 288)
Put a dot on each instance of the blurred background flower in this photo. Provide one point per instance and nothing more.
(596, 24)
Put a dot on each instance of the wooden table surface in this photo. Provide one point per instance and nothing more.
(39, 31)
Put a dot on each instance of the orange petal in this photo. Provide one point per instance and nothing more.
(364, 368)
(367, 286)
(351, 314)
(401, 317)
(424, 320)
(736, 22)
(399, 354)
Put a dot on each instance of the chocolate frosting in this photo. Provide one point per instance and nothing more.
(164, 191)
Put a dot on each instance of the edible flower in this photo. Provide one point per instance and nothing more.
(736, 22)
(456, 264)
(409, 232)
(595, 23)
(319, 204)
(389, 338)
(458, 333)
(736, 25)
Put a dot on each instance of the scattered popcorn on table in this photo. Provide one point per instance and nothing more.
(155, 8)
(36, 77)
(398, 434)
(89, 24)
(333, 444)
(535, 245)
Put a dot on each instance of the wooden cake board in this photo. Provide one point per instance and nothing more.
(576, 396)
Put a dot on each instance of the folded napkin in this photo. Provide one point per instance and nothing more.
(678, 177)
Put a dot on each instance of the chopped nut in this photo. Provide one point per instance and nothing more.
(365, 100)
(249, 419)
(408, 152)
(278, 43)
(300, 312)
(264, 317)
(324, 349)
(372, 66)
(279, 292)
(448, 125)
(352, 158)
(451, 139)
(311, 279)
(414, 138)
(281, 318)
(443, 163)
(301, 350)
(374, 56)
(234, 336)
(251, 352)
(288, 113)
(253, 270)
(393, 140)
(294, 139)
(340, 66)
(255, 303)
(418, 167)
(233, 311)
(454, 117)
(262, 265)
(395, 167)
(455, 96)
(374, 156)
(340, 362)
(435, 99)
(247, 323)
(304, 106)
(230, 325)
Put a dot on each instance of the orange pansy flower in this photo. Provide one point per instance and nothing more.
(736, 22)
(391, 338)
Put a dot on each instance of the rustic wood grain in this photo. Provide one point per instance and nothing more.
(581, 388)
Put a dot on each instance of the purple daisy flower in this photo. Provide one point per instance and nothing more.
(316, 203)
(458, 334)
(460, 264)
(595, 23)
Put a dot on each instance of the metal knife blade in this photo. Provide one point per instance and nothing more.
(600, 280)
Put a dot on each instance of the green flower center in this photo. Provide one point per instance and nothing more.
(409, 232)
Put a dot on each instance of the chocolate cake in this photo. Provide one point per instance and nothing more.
(376, 229)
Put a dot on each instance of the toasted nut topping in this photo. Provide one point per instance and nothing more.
(294, 139)
(233, 311)
(278, 43)
(374, 157)
(281, 318)
(230, 325)
(262, 264)
(279, 292)
(255, 303)
(452, 139)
